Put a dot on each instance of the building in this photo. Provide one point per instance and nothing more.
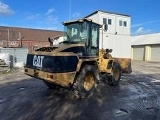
(117, 36)
(24, 37)
(146, 47)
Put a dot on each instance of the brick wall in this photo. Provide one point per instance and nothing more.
(30, 44)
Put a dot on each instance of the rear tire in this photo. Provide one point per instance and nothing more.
(115, 76)
(86, 81)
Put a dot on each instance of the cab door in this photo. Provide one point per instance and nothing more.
(94, 40)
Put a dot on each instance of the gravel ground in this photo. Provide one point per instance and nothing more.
(137, 97)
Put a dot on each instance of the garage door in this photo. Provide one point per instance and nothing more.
(138, 53)
(155, 53)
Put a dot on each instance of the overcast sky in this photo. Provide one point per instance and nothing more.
(49, 14)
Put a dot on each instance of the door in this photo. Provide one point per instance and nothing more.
(138, 53)
(155, 53)
(94, 40)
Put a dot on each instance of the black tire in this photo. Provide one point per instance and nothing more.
(115, 76)
(86, 81)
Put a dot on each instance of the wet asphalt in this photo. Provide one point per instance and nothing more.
(137, 97)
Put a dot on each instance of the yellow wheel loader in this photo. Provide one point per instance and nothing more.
(75, 63)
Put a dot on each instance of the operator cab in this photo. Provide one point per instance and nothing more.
(83, 31)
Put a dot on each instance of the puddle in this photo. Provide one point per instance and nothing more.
(21, 88)
(145, 84)
(121, 112)
(1, 101)
(152, 109)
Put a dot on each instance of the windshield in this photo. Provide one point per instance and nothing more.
(75, 32)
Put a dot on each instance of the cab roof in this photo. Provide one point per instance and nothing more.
(80, 20)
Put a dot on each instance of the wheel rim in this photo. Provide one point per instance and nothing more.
(116, 74)
(88, 82)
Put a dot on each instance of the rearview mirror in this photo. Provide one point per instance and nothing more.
(109, 50)
(50, 40)
(105, 27)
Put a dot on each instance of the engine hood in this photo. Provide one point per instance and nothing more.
(61, 49)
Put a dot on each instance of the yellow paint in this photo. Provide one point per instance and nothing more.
(125, 64)
(102, 62)
(63, 79)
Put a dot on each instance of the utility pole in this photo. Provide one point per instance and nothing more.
(20, 38)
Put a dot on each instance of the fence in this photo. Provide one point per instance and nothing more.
(17, 55)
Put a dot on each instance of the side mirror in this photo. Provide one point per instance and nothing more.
(109, 50)
(49, 39)
(105, 27)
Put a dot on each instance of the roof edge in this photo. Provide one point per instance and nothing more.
(14, 27)
(105, 12)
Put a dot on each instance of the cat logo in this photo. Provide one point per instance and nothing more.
(37, 60)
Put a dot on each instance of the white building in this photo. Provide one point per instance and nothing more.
(146, 47)
(117, 37)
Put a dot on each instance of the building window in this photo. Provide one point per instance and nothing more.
(13, 43)
(109, 21)
(120, 23)
(104, 20)
(124, 23)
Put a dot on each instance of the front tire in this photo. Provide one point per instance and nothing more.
(86, 81)
(115, 76)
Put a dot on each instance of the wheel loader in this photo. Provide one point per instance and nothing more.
(77, 63)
